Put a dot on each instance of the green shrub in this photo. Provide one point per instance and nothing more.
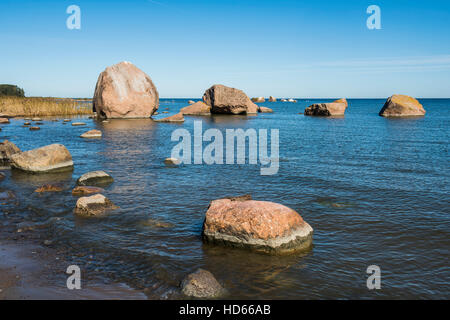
(11, 90)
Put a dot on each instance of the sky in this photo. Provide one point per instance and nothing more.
(284, 48)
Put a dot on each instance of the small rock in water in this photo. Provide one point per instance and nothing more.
(34, 128)
(95, 178)
(27, 123)
(93, 206)
(4, 120)
(84, 191)
(36, 119)
(172, 161)
(92, 134)
(191, 101)
(49, 188)
(77, 124)
(67, 120)
(202, 284)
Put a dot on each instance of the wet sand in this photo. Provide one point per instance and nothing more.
(28, 271)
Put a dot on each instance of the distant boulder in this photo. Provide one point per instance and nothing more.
(226, 100)
(272, 99)
(124, 91)
(259, 100)
(402, 106)
(336, 108)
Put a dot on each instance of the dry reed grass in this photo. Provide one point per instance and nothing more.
(41, 107)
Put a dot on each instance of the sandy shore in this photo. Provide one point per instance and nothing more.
(29, 271)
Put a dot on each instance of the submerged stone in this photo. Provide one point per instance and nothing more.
(95, 178)
(202, 284)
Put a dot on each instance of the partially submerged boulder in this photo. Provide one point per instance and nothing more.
(50, 158)
(265, 110)
(172, 161)
(226, 100)
(202, 284)
(336, 108)
(95, 178)
(175, 118)
(93, 206)
(402, 106)
(4, 120)
(7, 149)
(257, 225)
(197, 109)
(92, 134)
(272, 99)
(84, 190)
(125, 91)
(78, 124)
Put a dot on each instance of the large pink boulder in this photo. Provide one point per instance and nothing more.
(258, 225)
(124, 91)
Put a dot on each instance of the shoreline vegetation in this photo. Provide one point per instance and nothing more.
(43, 106)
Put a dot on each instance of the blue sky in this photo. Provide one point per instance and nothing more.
(282, 48)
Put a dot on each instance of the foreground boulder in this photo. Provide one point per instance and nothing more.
(257, 225)
(93, 206)
(335, 108)
(197, 109)
(50, 158)
(402, 106)
(226, 100)
(84, 191)
(202, 284)
(175, 118)
(124, 91)
(95, 178)
(7, 149)
(92, 134)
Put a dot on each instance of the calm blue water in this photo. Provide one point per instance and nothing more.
(375, 190)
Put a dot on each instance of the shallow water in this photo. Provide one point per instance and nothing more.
(375, 190)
